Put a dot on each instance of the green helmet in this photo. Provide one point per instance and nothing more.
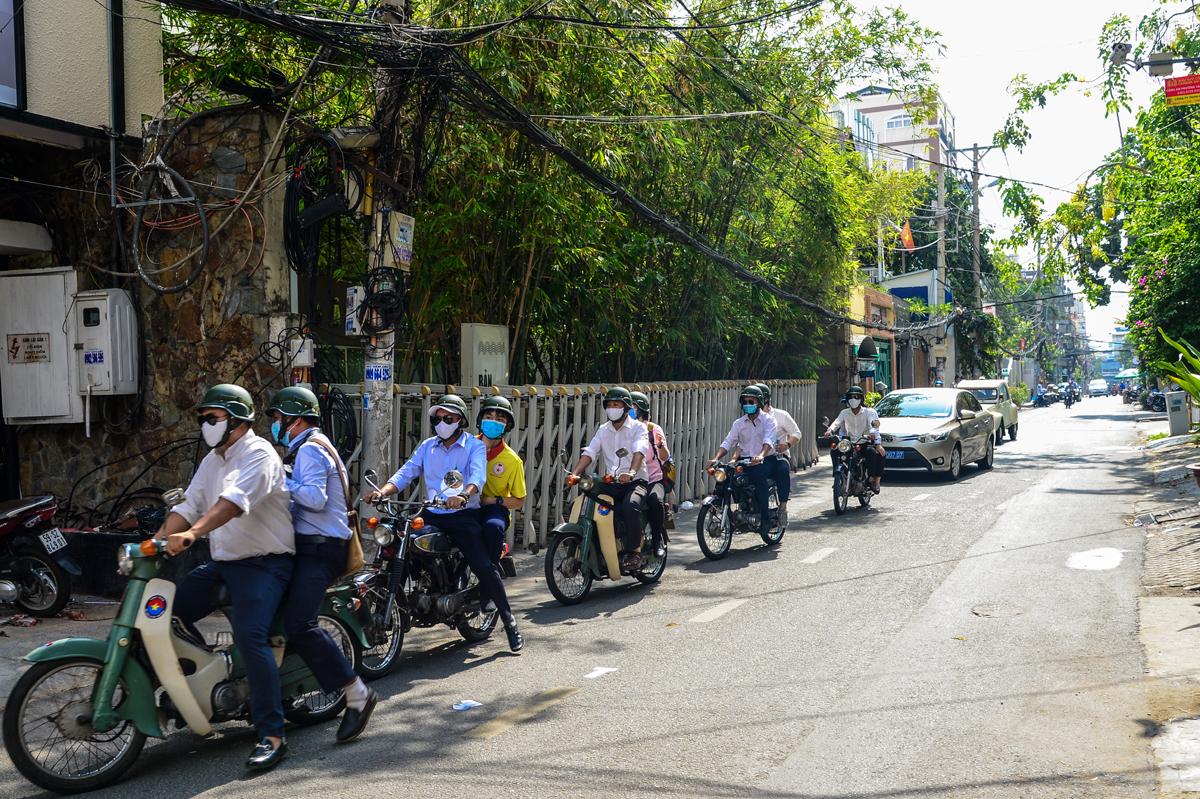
(296, 401)
(752, 391)
(452, 403)
(618, 394)
(766, 392)
(641, 402)
(855, 391)
(500, 405)
(234, 400)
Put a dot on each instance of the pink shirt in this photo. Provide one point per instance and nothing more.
(653, 466)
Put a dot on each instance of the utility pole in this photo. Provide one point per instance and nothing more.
(975, 226)
(941, 258)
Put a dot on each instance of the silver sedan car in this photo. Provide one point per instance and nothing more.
(936, 429)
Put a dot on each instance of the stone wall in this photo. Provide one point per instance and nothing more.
(209, 333)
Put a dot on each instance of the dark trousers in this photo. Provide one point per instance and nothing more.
(759, 475)
(656, 510)
(630, 499)
(467, 534)
(494, 520)
(875, 462)
(782, 472)
(256, 587)
(318, 566)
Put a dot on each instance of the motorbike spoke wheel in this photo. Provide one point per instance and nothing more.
(382, 658)
(714, 531)
(652, 572)
(569, 579)
(317, 706)
(841, 493)
(778, 526)
(48, 731)
(476, 625)
(46, 589)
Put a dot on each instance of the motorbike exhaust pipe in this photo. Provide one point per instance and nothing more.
(449, 605)
(8, 591)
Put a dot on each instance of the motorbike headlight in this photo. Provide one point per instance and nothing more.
(125, 560)
(587, 483)
(385, 534)
(844, 446)
(719, 475)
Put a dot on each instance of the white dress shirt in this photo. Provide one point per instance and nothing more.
(632, 437)
(748, 435)
(856, 425)
(250, 475)
(785, 425)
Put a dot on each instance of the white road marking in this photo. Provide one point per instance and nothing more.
(921, 497)
(1096, 559)
(717, 612)
(819, 555)
(599, 671)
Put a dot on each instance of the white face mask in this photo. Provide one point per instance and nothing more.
(446, 429)
(616, 414)
(214, 432)
(854, 403)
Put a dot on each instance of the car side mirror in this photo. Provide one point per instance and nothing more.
(965, 415)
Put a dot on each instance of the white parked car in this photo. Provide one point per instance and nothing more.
(1098, 387)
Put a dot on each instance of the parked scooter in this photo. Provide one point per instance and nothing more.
(78, 718)
(418, 579)
(584, 548)
(35, 569)
(730, 509)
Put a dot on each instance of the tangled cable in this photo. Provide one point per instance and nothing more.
(382, 309)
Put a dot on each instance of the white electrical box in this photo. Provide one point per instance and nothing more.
(39, 379)
(354, 298)
(484, 355)
(107, 342)
(300, 353)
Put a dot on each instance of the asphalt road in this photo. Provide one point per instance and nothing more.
(937, 644)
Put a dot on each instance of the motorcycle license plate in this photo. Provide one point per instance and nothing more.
(895, 455)
(53, 540)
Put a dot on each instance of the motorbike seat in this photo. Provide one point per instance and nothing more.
(16, 508)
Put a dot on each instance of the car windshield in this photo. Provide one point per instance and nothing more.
(986, 394)
(926, 406)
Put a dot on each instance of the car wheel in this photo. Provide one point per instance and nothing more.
(955, 470)
(989, 457)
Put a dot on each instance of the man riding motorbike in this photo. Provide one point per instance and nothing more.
(318, 487)
(623, 442)
(856, 421)
(787, 435)
(452, 450)
(657, 455)
(753, 434)
(504, 489)
(238, 498)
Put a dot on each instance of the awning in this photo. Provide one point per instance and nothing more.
(864, 346)
(1127, 373)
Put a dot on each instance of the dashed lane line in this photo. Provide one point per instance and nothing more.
(819, 555)
(921, 497)
(514, 716)
(717, 612)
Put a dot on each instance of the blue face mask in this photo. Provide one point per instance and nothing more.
(633, 413)
(750, 409)
(275, 430)
(491, 428)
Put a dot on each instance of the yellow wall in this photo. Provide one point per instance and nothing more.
(66, 62)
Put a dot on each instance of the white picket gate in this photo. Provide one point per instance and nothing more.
(555, 422)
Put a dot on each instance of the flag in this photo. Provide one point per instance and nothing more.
(906, 237)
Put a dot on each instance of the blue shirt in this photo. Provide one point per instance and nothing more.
(433, 460)
(318, 502)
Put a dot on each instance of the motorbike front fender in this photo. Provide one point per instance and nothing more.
(138, 705)
(340, 607)
(570, 527)
(711, 499)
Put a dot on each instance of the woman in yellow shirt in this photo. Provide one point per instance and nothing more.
(504, 490)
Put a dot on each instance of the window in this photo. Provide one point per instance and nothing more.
(911, 163)
(900, 121)
(12, 66)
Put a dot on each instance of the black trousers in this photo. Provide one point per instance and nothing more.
(317, 566)
(630, 499)
(656, 509)
(466, 532)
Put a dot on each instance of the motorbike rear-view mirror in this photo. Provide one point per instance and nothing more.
(173, 497)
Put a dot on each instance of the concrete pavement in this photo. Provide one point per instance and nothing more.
(974, 639)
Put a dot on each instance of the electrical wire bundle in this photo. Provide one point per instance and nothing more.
(314, 193)
(338, 421)
(383, 306)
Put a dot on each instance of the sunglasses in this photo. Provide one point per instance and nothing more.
(209, 418)
(440, 418)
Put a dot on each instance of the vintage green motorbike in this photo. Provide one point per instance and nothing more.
(78, 717)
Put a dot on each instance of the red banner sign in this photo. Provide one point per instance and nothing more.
(1182, 91)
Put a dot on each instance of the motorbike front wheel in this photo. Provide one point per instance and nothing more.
(46, 589)
(318, 706)
(567, 576)
(48, 733)
(381, 659)
(714, 531)
(841, 492)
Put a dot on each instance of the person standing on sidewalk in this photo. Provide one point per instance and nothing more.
(238, 500)
(318, 488)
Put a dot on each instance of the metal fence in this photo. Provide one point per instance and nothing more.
(553, 423)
